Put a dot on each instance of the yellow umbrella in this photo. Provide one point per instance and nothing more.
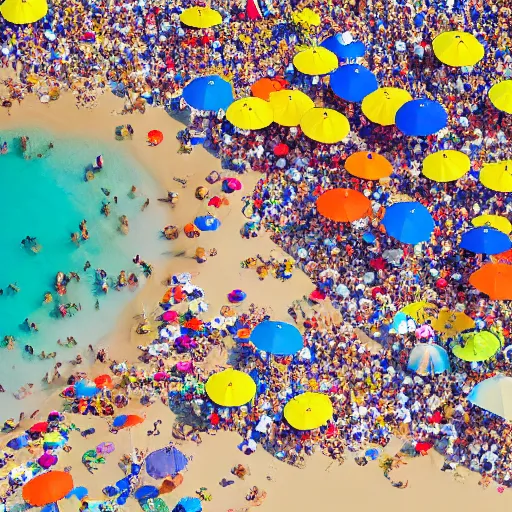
(457, 48)
(443, 166)
(417, 310)
(325, 125)
(382, 105)
(494, 221)
(289, 106)
(497, 176)
(200, 17)
(500, 95)
(308, 411)
(307, 17)
(451, 323)
(250, 113)
(22, 12)
(316, 60)
(230, 388)
(478, 346)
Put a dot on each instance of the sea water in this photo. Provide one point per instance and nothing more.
(47, 198)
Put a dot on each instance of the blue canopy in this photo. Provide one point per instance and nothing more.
(86, 389)
(209, 93)
(353, 82)
(344, 51)
(188, 505)
(409, 222)
(79, 492)
(119, 421)
(18, 442)
(51, 507)
(427, 359)
(165, 462)
(420, 118)
(277, 338)
(146, 492)
(207, 223)
(485, 240)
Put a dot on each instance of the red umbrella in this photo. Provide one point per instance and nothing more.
(441, 283)
(281, 150)
(378, 263)
(155, 137)
(42, 426)
(215, 201)
(104, 381)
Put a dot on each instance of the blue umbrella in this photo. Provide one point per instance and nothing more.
(344, 51)
(119, 421)
(209, 93)
(369, 238)
(207, 223)
(409, 222)
(277, 338)
(427, 359)
(420, 118)
(86, 389)
(188, 505)
(165, 462)
(79, 492)
(353, 82)
(146, 492)
(485, 240)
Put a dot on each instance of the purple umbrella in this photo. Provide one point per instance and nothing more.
(105, 448)
(165, 462)
(47, 460)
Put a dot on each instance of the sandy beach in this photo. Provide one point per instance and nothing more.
(322, 484)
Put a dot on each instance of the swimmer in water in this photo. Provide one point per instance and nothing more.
(13, 287)
(87, 265)
(29, 350)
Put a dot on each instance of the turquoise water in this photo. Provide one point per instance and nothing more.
(47, 198)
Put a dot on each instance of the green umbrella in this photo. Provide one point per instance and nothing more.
(478, 346)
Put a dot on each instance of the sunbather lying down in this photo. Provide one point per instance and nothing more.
(256, 496)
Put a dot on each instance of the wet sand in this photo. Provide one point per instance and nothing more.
(322, 485)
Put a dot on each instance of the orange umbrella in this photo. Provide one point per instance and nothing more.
(167, 296)
(194, 323)
(264, 86)
(343, 205)
(104, 381)
(502, 257)
(494, 279)
(368, 166)
(47, 488)
(155, 137)
(131, 421)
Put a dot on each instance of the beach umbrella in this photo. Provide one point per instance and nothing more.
(457, 48)
(230, 388)
(207, 223)
(78, 492)
(477, 346)
(382, 105)
(265, 86)
(447, 165)
(368, 165)
(279, 338)
(494, 221)
(315, 61)
(308, 411)
(188, 504)
(127, 421)
(47, 488)
(343, 50)
(494, 395)
(211, 93)
(104, 381)
(146, 492)
(41, 426)
(165, 462)
(155, 137)
(200, 17)
(170, 316)
(86, 389)
(250, 114)
(493, 279)
(428, 359)
(289, 107)
(408, 222)
(353, 82)
(236, 296)
(325, 125)
(47, 460)
(307, 17)
(500, 95)
(22, 12)
(105, 448)
(343, 205)
(281, 149)
(497, 176)
(485, 240)
(418, 310)
(422, 117)
(451, 323)
(231, 185)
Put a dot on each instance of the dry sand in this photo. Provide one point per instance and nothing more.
(321, 485)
